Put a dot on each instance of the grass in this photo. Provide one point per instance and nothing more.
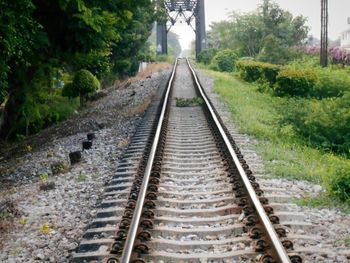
(81, 178)
(186, 102)
(284, 153)
(323, 201)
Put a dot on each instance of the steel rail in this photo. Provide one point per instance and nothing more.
(266, 223)
(130, 240)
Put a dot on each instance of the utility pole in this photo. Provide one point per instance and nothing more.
(200, 27)
(162, 34)
(324, 33)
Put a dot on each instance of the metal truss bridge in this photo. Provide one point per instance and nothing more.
(192, 11)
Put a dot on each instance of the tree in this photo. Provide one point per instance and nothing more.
(40, 37)
(224, 60)
(249, 34)
(84, 83)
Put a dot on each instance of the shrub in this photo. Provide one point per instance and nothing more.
(249, 70)
(339, 185)
(224, 61)
(270, 72)
(331, 83)
(324, 123)
(292, 82)
(207, 55)
(253, 70)
(84, 84)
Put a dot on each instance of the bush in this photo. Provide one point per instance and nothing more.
(324, 123)
(292, 82)
(84, 84)
(207, 55)
(224, 61)
(270, 72)
(253, 70)
(249, 70)
(331, 83)
(339, 185)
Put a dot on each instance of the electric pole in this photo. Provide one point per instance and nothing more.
(324, 33)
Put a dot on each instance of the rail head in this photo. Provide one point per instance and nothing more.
(130, 240)
(281, 253)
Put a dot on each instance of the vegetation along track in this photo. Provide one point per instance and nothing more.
(192, 198)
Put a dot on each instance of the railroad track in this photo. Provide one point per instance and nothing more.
(188, 196)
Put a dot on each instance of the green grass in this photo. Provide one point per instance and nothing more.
(284, 153)
(81, 178)
(186, 102)
(323, 201)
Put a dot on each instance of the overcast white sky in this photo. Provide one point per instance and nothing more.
(216, 10)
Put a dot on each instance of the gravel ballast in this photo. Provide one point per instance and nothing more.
(52, 222)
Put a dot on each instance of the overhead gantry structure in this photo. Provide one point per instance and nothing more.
(191, 11)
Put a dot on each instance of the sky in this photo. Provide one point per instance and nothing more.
(217, 10)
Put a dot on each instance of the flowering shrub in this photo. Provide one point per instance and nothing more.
(340, 55)
(337, 55)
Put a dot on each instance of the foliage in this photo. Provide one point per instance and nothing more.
(331, 83)
(285, 153)
(17, 42)
(275, 51)
(43, 177)
(81, 178)
(84, 84)
(292, 82)
(50, 109)
(97, 63)
(268, 32)
(254, 70)
(195, 101)
(45, 228)
(339, 184)
(326, 82)
(58, 167)
(207, 55)
(224, 60)
(339, 55)
(69, 91)
(40, 38)
(324, 123)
